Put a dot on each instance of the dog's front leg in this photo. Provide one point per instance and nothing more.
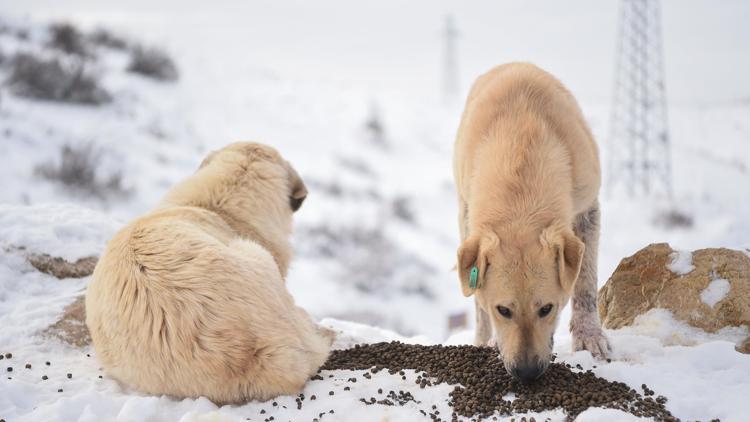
(483, 332)
(584, 323)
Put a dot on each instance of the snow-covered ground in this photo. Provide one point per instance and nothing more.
(376, 238)
(700, 373)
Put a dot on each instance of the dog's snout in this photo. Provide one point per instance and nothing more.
(528, 372)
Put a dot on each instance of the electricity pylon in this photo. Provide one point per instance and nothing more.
(639, 144)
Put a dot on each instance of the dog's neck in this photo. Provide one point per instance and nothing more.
(250, 218)
(522, 219)
(261, 231)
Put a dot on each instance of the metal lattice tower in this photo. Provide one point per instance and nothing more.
(450, 62)
(639, 150)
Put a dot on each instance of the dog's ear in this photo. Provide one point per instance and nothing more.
(298, 191)
(471, 253)
(568, 250)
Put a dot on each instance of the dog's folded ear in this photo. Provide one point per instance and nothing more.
(471, 253)
(298, 191)
(568, 250)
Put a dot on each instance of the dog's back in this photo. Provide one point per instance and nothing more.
(522, 102)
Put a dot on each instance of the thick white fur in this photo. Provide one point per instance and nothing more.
(527, 174)
(189, 300)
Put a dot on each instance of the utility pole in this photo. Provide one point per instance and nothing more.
(639, 144)
(450, 61)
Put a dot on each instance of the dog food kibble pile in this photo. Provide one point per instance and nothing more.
(485, 385)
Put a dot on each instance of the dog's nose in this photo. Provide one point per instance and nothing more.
(527, 372)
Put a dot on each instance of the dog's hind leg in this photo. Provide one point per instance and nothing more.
(584, 322)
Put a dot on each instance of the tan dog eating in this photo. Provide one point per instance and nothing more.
(527, 175)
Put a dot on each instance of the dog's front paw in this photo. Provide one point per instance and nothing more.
(595, 341)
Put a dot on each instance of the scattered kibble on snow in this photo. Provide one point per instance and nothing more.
(482, 381)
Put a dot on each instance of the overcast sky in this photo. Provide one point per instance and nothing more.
(396, 45)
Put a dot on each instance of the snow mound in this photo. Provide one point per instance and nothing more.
(700, 373)
(715, 292)
(682, 262)
(63, 230)
(351, 333)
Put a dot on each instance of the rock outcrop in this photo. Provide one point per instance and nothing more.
(708, 288)
(71, 327)
(60, 268)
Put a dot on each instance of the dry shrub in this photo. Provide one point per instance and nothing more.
(51, 79)
(153, 63)
(673, 219)
(68, 39)
(106, 38)
(77, 170)
(370, 261)
(402, 209)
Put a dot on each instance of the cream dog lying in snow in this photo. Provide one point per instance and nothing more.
(189, 300)
(527, 174)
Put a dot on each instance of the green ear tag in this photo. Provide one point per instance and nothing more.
(473, 277)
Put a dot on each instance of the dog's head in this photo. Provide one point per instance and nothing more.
(259, 170)
(523, 282)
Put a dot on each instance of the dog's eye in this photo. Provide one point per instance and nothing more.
(296, 203)
(502, 310)
(545, 310)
